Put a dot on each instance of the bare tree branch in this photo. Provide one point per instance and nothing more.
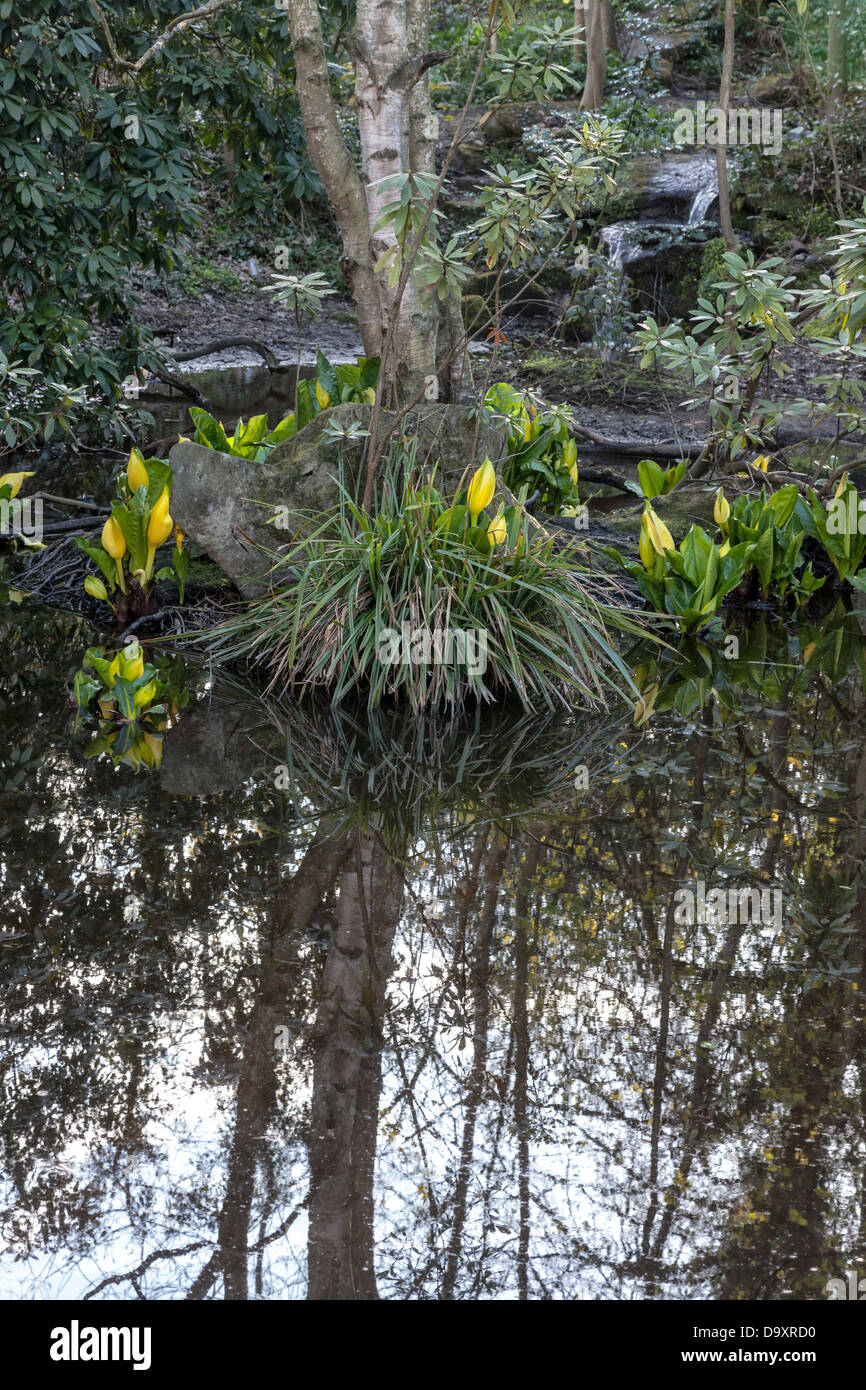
(174, 26)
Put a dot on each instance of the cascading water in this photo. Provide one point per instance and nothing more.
(677, 197)
(702, 202)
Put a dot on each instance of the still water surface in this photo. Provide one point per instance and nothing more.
(329, 1010)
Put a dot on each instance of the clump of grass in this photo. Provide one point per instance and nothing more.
(350, 577)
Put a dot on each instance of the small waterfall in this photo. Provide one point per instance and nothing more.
(702, 202)
(678, 196)
(616, 239)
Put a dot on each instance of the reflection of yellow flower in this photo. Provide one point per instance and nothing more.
(131, 664)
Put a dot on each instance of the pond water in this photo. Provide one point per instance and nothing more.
(337, 1010)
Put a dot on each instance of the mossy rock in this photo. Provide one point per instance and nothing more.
(228, 505)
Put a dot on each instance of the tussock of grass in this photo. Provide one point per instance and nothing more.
(349, 576)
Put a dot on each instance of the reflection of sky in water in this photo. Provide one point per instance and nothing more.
(125, 1066)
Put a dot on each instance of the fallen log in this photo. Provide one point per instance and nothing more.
(222, 343)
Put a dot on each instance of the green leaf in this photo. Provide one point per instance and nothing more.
(761, 556)
(134, 528)
(326, 374)
(209, 431)
(284, 430)
(99, 557)
(651, 479)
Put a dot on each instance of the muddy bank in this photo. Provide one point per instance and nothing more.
(183, 322)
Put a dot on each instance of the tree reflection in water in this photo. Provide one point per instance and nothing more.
(425, 1024)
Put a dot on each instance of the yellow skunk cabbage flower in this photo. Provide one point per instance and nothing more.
(136, 473)
(497, 531)
(721, 510)
(569, 458)
(14, 480)
(322, 396)
(646, 551)
(369, 395)
(160, 525)
(843, 483)
(113, 540)
(762, 462)
(114, 544)
(95, 587)
(724, 548)
(179, 537)
(131, 661)
(481, 489)
(527, 429)
(658, 533)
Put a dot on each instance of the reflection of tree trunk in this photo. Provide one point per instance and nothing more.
(702, 749)
(696, 1112)
(466, 891)
(857, 1007)
(257, 1081)
(787, 1246)
(475, 1086)
(347, 1077)
(521, 1059)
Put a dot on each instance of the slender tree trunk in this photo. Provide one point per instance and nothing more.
(443, 323)
(596, 57)
(837, 48)
(731, 239)
(608, 27)
(580, 23)
(334, 164)
(397, 128)
(390, 121)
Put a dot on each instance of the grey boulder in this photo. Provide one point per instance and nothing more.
(243, 514)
